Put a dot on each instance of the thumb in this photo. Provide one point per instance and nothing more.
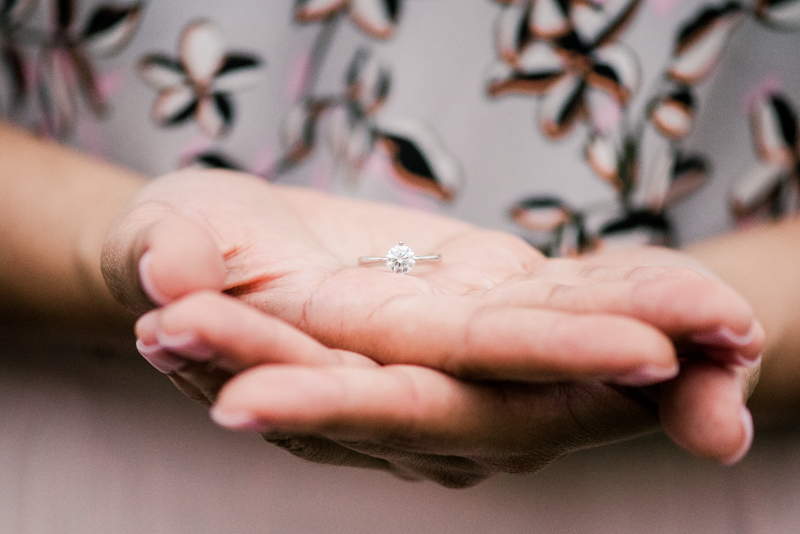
(152, 259)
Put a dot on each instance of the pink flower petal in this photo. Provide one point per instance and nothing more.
(298, 76)
(193, 148)
(110, 83)
(264, 160)
(771, 83)
(663, 8)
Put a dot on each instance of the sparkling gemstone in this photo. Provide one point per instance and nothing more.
(400, 259)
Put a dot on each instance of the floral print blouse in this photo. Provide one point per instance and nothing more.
(578, 124)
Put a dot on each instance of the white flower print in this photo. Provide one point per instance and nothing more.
(200, 83)
(771, 186)
(376, 18)
(565, 53)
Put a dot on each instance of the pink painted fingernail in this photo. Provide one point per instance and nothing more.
(236, 420)
(158, 357)
(747, 424)
(146, 280)
(732, 357)
(724, 337)
(647, 375)
(185, 344)
(749, 364)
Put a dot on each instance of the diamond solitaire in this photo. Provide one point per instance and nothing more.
(400, 259)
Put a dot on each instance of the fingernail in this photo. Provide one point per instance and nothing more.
(647, 375)
(724, 337)
(158, 357)
(732, 357)
(236, 420)
(747, 424)
(749, 364)
(146, 280)
(185, 344)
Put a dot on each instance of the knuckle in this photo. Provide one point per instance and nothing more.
(557, 295)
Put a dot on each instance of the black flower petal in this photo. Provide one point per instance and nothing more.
(616, 71)
(512, 32)
(224, 106)
(637, 228)
(782, 12)
(596, 25)
(110, 28)
(562, 106)
(673, 113)
(603, 157)
(701, 42)
(237, 72)
(15, 70)
(179, 115)
(775, 130)
(298, 134)
(236, 62)
(689, 173)
(760, 190)
(87, 81)
(419, 159)
(377, 18)
(217, 160)
(64, 12)
(541, 213)
(368, 82)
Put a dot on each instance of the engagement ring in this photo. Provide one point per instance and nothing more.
(400, 259)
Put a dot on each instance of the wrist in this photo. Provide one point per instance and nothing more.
(57, 205)
(102, 311)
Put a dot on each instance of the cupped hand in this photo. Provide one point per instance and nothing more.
(337, 407)
(492, 309)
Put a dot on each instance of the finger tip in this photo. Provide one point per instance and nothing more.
(236, 420)
(702, 411)
(146, 280)
(181, 258)
(647, 375)
(738, 358)
(748, 431)
(158, 357)
(748, 363)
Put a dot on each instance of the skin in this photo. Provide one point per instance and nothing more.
(761, 263)
(505, 360)
(558, 338)
(57, 208)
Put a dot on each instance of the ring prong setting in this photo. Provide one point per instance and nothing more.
(400, 259)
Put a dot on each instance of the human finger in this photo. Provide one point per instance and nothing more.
(421, 411)
(684, 305)
(213, 328)
(154, 256)
(469, 339)
(703, 410)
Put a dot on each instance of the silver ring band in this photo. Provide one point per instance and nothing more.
(400, 259)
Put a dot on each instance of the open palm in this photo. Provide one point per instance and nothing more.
(492, 309)
(491, 299)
